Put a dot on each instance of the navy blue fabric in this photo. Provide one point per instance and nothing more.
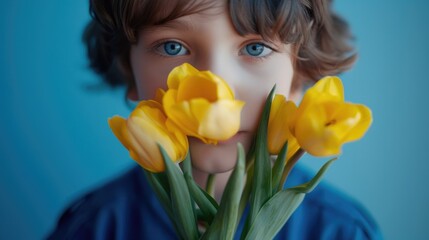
(126, 208)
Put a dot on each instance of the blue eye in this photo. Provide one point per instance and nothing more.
(256, 50)
(172, 48)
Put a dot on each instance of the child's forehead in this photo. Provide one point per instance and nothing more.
(204, 12)
(169, 10)
(247, 17)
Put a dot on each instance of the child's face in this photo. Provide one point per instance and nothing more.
(208, 41)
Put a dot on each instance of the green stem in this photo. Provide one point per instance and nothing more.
(288, 167)
(210, 184)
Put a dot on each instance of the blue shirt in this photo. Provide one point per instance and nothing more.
(127, 208)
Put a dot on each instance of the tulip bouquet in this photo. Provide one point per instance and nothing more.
(200, 104)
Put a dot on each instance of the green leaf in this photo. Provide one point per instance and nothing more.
(187, 165)
(225, 222)
(275, 212)
(246, 192)
(207, 204)
(159, 184)
(261, 185)
(250, 164)
(278, 168)
(309, 186)
(181, 203)
(210, 184)
(161, 189)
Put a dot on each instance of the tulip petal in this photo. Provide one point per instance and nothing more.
(279, 124)
(143, 145)
(169, 99)
(330, 85)
(195, 103)
(137, 153)
(178, 73)
(324, 127)
(183, 117)
(199, 108)
(219, 120)
(359, 130)
(293, 147)
(197, 86)
(116, 123)
(341, 118)
(180, 139)
(222, 88)
(159, 95)
(179, 113)
(312, 134)
(144, 131)
(326, 89)
(276, 105)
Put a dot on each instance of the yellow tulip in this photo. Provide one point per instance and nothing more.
(141, 133)
(324, 122)
(279, 123)
(328, 88)
(201, 104)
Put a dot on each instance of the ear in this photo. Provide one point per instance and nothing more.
(132, 93)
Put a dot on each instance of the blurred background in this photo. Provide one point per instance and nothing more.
(55, 143)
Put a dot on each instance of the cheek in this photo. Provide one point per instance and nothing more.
(282, 76)
(150, 72)
(147, 82)
(256, 91)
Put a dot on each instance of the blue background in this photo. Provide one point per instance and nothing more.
(55, 142)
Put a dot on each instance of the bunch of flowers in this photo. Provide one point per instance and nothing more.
(201, 104)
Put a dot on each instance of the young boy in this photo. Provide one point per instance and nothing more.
(253, 45)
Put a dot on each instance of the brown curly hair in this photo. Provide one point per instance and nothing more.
(321, 39)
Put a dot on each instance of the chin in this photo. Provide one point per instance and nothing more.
(217, 158)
